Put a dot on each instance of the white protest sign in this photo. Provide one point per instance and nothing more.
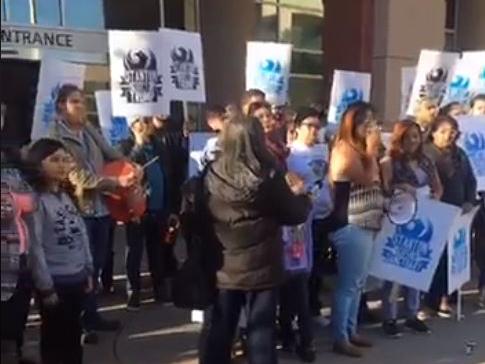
(347, 89)
(459, 251)
(472, 140)
(432, 77)
(409, 254)
(52, 76)
(114, 129)
(468, 78)
(268, 69)
(197, 143)
(137, 88)
(408, 74)
(183, 65)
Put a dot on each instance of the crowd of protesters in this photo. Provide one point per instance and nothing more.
(286, 202)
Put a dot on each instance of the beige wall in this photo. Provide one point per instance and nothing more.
(401, 30)
(471, 24)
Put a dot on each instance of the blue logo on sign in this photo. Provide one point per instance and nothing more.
(271, 76)
(459, 257)
(409, 247)
(349, 97)
(119, 130)
(474, 143)
(50, 106)
(459, 88)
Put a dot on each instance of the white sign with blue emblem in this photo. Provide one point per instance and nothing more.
(268, 69)
(468, 78)
(409, 254)
(472, 140)
(136, 64)
(459, 251)
(53, 74)
(347, 88)
(183, 66)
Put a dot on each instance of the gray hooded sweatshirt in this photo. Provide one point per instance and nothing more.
(62, 254)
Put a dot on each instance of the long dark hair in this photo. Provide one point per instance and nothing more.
(444, 119)
(39, 151)
(352, 118)
(244, 149)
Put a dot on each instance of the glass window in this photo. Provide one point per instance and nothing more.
(87, 14)
(48, 12)
(450, 41)
(303, 30)
(304, 91)
(306, 63)
(310, 4)
(267, 29)
(18, 11)
(3, 10)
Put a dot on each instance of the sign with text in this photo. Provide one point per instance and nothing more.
(183, 66)
(268, 69)
(136, 67)
(347, 89)
(459, 251)
(432, 77)
(52, 76)
(409, 254)
(114, 128)
(472, 140)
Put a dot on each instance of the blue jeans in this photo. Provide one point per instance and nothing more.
(390, 304)
(221, 321)
(98, 229)
(354, 247)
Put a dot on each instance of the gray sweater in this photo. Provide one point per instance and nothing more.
(61, 254)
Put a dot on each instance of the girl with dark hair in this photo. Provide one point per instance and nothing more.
(459, 189)
(357, 215)
(406, 167)
(248, 201)
(477, 105)
(274, 140)
(453, 109)
(62, 262)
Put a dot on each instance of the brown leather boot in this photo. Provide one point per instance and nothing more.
(361, 341)
(347, 349)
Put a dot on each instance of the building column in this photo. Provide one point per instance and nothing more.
(471, 24)
(226, 26)
(401, 30)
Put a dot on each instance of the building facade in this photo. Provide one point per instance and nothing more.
(377, 36)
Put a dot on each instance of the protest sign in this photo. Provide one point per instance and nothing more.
(472, 140)
(347, 88)
(197, 143)
(432, 77)
(409, 254)
(136, 64)
(459, 251)
(183, 65)
(53, 75)
(268, 69)
(114, 129)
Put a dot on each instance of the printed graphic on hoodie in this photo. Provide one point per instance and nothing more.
(66, 226)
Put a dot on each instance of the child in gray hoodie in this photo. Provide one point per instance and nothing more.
(61, 260)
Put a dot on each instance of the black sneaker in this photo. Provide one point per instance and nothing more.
(107, 325)
(307, 354)
(133, 302)
(89, 338)
(391, 329)
(417, 325)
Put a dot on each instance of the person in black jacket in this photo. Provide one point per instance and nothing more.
(249, 201)
(144, 149)
(459, 189)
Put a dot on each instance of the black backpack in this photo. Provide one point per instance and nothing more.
(194, 285)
